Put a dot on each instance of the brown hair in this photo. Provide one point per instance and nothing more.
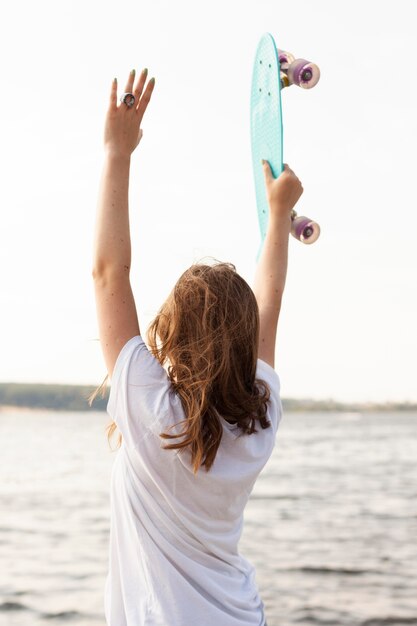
(207, 332)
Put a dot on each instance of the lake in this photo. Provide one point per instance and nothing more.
(331, 525)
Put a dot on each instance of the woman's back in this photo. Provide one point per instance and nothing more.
(174, 536)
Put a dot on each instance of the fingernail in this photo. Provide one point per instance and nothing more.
(152, 80)
(133, 72)
(145, 71)
(263, 161)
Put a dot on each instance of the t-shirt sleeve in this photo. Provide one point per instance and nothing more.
(267, 373)
(139, 400)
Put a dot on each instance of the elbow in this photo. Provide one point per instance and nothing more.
(103, 273)
(98, 271)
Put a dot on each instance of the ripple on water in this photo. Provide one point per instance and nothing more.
(67, 616)
(14, 606)
(308, 569)
(323, 615)
(395, 620)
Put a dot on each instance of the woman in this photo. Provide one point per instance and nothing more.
(198, 411)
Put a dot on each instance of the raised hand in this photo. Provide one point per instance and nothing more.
(283, 192)
(122, 131)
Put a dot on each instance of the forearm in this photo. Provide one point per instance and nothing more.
(271, 270)
(282, 193)
(112, 249)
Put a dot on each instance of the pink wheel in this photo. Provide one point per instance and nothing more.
(303, 73)
(285, 59)
(304, 229)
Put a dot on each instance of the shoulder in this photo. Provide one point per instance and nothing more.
(141, 395)
(266, 374)
(136, 362)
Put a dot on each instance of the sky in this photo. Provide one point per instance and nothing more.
(348, 324)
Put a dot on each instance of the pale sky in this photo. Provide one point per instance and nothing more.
(348, 325)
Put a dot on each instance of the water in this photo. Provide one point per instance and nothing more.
(331, 526)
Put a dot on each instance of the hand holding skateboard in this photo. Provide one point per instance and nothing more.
(283, 192)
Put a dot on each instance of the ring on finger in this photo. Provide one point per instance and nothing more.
(128, 98)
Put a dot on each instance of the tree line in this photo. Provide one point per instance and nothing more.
(57, 397)
(75, 398)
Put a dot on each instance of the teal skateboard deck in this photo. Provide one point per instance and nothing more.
(266, 122)
(274, 69)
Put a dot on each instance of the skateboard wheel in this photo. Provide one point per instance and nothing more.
(285, 59)
(303, 73)
(304, 229)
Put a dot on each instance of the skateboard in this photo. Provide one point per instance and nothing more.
(274, 70)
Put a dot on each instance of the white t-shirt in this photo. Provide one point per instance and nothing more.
(173, 556)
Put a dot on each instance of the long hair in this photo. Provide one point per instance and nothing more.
(207, 333)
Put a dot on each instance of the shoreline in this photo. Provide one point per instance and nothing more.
(300, 407)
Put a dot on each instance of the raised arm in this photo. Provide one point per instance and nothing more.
(283, 193)
(116, 310)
